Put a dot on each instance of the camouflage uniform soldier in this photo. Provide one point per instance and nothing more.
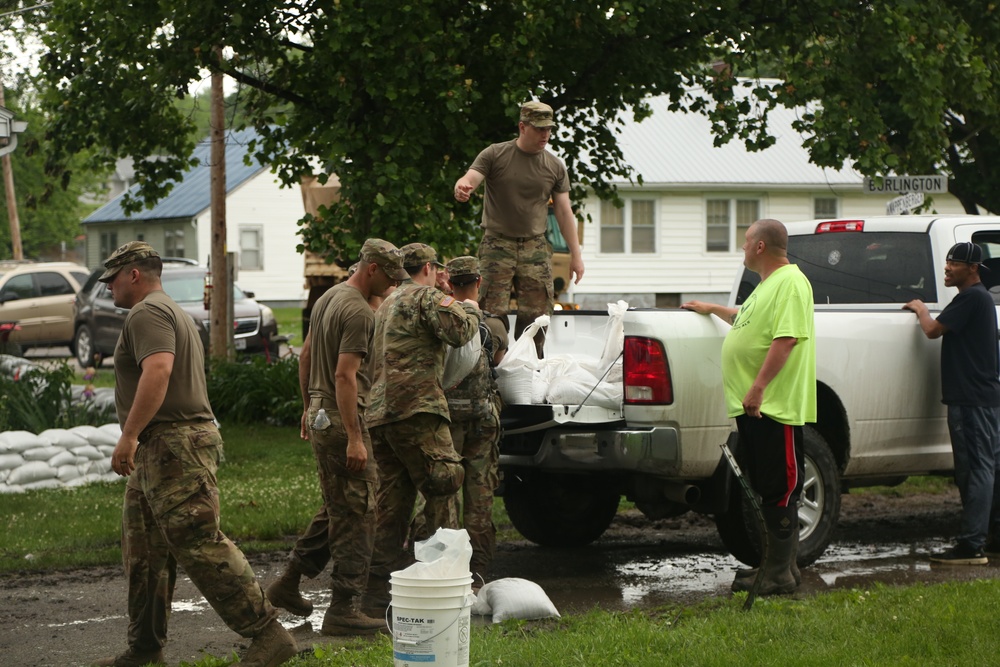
(333, 377)
(521, 178)
(475, 422)
(170, 449)
(408, 412)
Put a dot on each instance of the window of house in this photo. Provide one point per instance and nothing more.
(633, 226)
(727, 221)
(109, 243)
(251, 248)
(825, 208)
(173, 243)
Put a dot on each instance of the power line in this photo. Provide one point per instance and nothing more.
(26, 9)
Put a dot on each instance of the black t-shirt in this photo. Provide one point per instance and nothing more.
(969, 356)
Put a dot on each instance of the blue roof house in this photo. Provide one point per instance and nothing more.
(261, 224)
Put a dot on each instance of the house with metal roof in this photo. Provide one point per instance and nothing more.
(261, 223)
(679, 236)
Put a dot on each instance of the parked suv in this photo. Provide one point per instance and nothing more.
(39, 296)
(99, 321)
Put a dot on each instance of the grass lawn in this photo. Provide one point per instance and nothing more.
(270, 490)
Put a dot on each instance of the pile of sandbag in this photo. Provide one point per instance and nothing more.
(57, 457)
(565, 379)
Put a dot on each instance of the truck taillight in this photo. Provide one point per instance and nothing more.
(841, 226)
(647, 373)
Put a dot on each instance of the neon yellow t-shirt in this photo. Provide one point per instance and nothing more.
(781, 306)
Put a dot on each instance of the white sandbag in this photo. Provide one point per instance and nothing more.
(106, 450)
(81, 460)
(63, 438)
(18, 441)
(522, 352)
(515, 384)
(105, 436)
(89, 452)
(566, 391)
(66, 473)
(4, 474)
(11, 461)
(114, 428)
(10, 488)
(62, 458)
(513, 598)
(43, 484)
(83, 430)
(459, 361)
(111, 477)
(42, 453)
(99, 467)
(32, 471)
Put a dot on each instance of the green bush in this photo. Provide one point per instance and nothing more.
(256, 391)
(41, 398)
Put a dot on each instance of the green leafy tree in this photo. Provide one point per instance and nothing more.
(395, 98)
(890, 87)
(50, 206)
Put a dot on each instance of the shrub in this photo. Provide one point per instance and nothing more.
(256, 391)
(41, 398)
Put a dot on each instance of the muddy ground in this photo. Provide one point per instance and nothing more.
(73, 617)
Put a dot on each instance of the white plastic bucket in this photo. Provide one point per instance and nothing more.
(431, 621)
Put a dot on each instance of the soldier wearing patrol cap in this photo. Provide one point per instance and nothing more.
(408, 411)
(474, 405)
(521, 179)
(170, 449)
(334, 378)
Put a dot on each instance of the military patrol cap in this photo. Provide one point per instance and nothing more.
(132, 251)
(537, 114)
(386, 256)
(464, 266)
(418, 254)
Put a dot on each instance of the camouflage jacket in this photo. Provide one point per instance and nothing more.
(412, 328)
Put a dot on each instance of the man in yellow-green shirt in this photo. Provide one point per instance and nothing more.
(769, 378)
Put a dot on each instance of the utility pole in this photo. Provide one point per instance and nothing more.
(220, 335)
(8, 182)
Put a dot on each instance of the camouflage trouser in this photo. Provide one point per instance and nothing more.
(524, 263)
(478, 441)
(343, 530)
(171, 516)
(415, 453)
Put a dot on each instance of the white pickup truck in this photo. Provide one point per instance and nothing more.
(880, 417)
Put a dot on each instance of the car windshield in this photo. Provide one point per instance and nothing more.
(188, 287)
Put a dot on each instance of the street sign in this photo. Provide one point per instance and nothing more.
(934, 184)
(905, 203)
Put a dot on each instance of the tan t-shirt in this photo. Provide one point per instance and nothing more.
(518, 188)
(158, 324)
(342, 322)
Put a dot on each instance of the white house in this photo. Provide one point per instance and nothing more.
(679, 236)
(261, 223)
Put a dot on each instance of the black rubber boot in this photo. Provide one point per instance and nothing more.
(782, 535)
(751, 573)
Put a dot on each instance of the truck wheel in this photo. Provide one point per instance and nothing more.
(555, 510)
(819, 509)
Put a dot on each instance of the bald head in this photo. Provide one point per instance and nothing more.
(772, 233)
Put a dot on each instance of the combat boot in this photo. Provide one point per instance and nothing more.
(131, 658)
(778, 579)
(375, 600)
(285, 593)
(271, 647)
(343, 618)
(751, 573)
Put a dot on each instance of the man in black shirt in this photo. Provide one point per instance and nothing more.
(971, 389)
